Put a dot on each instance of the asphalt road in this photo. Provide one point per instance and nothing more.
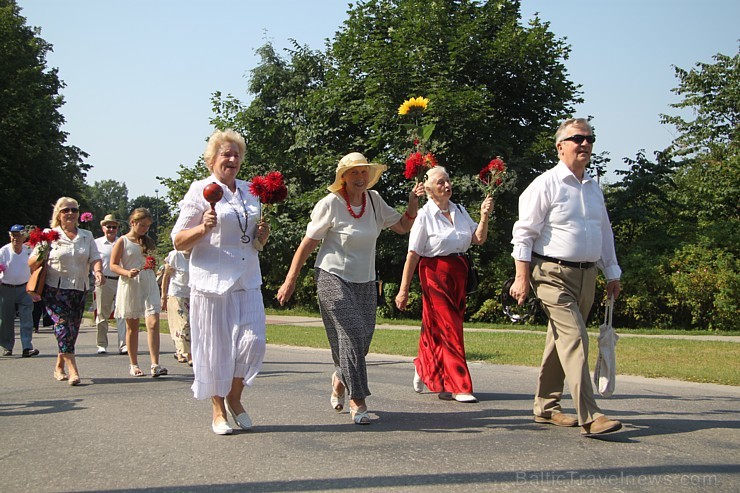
(117, 433)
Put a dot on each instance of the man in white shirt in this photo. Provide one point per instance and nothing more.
(105, 295)
(562, 235)
(14, 274)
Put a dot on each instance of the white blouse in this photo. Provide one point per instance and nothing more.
(70, 260)
(433, 235)
(220, 260)
(348, 244)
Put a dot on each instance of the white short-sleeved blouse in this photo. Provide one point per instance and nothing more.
(348, 244)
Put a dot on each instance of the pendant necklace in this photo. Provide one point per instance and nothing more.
(244, 238)
(349, 206)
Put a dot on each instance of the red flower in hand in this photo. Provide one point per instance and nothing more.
(417, 164)
(270, 189)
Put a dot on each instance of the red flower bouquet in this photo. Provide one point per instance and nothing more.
(417, 164)
(495, 177)
(150, 263)
(43, 239)
(270, 189)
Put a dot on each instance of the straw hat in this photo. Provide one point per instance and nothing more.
(108, 219)
(350, 161)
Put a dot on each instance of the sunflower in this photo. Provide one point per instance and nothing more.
(413, 106)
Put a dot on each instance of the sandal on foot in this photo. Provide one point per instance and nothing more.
(75, 380)
(135, 371)
(336, 399)
(158, 371)
(360, 417)
(60, 376)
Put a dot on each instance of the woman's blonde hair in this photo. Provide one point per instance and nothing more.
(139, 214)
(58, 208)
(217, 139)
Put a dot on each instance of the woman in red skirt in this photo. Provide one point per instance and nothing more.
(441, 235)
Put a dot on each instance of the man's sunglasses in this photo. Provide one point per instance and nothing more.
(578, 139)
(73, 210)
(109, 226)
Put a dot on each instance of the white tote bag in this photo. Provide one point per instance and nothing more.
(605, 373)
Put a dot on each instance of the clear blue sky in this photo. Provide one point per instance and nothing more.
(140, 73)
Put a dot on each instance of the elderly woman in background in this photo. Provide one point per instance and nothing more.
(347, 223)
(438, 241)
(69, 261)
(227, 315)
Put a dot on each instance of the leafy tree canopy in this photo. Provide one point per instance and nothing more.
(496, 87)
(36, 165)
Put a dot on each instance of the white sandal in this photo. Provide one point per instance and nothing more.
(360, 417)
(337, 400)
(158, 371)
(135, 371)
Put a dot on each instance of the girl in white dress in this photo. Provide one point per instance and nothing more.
(138, 294)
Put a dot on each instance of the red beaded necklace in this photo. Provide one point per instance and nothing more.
(349, 207)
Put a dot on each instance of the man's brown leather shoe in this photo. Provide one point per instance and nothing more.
(557, 419)
(600, 425)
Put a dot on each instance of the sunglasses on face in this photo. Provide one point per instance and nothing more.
(111, 227)
(67, 210)
(578, 139)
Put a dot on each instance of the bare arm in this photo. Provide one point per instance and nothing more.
(481, 233)
(307, 246)
(520, 289)
(404, 224)
(402, 298)
(166, 275)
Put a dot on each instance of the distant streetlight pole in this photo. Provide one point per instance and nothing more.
(156, 213)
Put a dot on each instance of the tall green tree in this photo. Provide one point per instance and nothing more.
(106, 197)
(497, 87)
(677, 220)
(36, 165)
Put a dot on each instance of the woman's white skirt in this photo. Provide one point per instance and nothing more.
(227, 338)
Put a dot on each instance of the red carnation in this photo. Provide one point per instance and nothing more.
(42, 238)
(417, 164)
(270, 189)
(491, 174)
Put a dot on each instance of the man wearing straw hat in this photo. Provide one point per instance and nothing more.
(105, 295)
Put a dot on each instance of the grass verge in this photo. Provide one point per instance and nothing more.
(693, 361)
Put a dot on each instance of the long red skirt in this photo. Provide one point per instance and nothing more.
(441, 361)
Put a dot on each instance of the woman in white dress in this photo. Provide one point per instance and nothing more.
(227, 315)
(132, 258)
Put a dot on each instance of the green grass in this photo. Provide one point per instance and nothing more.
(694, 361)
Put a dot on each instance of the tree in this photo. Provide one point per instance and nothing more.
(36, 165)
(677, 220)
(712, 92)
(106, 197)
(496, 88)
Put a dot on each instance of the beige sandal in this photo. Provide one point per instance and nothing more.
(336, 399)
(135, 371)
(360, 416)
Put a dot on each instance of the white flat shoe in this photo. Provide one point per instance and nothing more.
(468, 398)
(221, 428)
(418, 384)
(242, 420)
